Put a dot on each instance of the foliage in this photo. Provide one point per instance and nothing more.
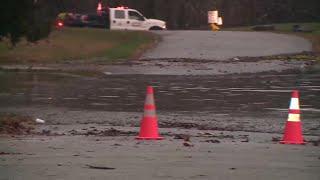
(26, 18)
(192, 14)
(33, 18)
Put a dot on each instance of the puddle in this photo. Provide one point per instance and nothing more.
(109, 96)
(69, 98)
(260, 90)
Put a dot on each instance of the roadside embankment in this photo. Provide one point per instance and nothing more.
(79, 45)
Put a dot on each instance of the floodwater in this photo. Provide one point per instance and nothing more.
(252, 102)
(220, 94)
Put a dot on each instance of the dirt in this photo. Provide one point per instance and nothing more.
(95, 132)
(16, 125)
(100, 167)
(190, 67)
(8, 153)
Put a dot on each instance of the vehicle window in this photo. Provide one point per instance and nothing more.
(135, 15)
(119, 14)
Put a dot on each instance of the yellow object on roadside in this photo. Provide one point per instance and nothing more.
(62, 16)
(214, 27)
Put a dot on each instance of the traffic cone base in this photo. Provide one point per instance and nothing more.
(292, 133)
(149, 129)
(149, 138)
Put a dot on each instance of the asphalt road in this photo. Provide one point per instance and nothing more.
(225, 44)
(69, 157)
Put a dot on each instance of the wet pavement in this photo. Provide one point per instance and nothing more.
(223, 45)
(238, 99)
(219, 94)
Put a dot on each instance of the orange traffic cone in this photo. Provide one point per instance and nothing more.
(149, 123)
(293, 129)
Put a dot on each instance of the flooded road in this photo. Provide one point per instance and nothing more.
(220, 94)
(256, 96)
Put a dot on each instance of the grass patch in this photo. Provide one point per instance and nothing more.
(282, 27)
(315, 40)
(86, 44)
(286, 28)
(15, 124)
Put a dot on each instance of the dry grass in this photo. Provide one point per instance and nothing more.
(14, 124)
(72, 44)
(315, 39)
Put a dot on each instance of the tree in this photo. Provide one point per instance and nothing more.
(26, 18)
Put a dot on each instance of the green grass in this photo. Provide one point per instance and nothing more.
(286, 28)
(3, 48)
(72, 44)
(283, 27)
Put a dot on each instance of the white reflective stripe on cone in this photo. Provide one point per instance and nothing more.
(149, 113)
(294, 117)
(149, 99)
(294, 104)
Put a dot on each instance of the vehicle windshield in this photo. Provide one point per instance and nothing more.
(135, 15)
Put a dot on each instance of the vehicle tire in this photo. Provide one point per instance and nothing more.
(155, 28)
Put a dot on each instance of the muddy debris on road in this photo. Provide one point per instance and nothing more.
(99, 167)
(108, 132)
(13, 124)
(212, 141)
